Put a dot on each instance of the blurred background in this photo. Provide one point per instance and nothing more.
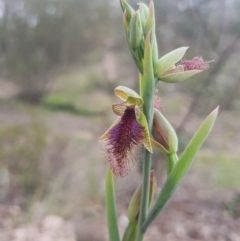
(59, 63)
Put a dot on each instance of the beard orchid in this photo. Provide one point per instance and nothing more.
(127, 134)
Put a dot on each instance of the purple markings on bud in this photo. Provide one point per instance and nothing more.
(197, 63)
(122, 142)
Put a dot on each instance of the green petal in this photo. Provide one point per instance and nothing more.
(180, 76)
(168, 61)
(146, 142)
(128, 95)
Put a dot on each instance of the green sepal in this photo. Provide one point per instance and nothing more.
(150, 21)
(158, 146)
(154, 49)
(143, 10)
(126, 7)
(181, 167)
(135, 54)
(168, 61)
(128, 95)
(125, 23)
(179, 76)
(135, 31)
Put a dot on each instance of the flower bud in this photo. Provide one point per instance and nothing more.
(126, 7)
(150, 21)
(135, 32)
(134, 206)
(165, 138)
(143, 10)
(168, 71)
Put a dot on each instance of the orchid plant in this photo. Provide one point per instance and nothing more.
(140, 125)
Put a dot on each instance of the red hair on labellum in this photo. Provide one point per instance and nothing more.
(122, 142)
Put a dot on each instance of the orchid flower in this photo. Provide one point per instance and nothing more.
(171, 68)
(127, 133)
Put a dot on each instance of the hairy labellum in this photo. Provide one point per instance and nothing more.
(122, 142)
(197, 63)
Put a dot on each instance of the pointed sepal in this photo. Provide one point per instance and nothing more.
(128, 95)
(168, 61)
(164, 134)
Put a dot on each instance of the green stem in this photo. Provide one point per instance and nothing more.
(147, 89)
(172, 160)
(145, 192)
(111, 207)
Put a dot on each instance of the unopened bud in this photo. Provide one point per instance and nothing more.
(143, 10)
(165, 138)
(150, 21)
(135, 32)
(134, 206)
(126, 7)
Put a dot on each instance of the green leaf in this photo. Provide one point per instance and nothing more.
(181, 167)
(168, 61)
(111, 207)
